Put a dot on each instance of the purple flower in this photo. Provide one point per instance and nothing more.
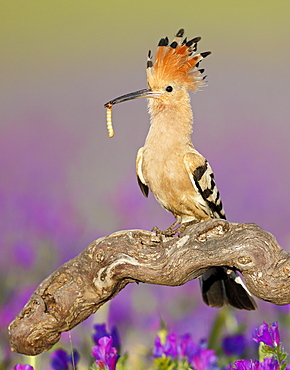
(241, 365)
(168, 348)
(101, 331)
(179, 347)
(173, 346)
(204, 359)
(106, 355)
(158, 348)
(268, 334)
(23, 367)
(234, 345)
(187, 347)
(198, 355)
(60, 359)
(267, 364)
(270, 364)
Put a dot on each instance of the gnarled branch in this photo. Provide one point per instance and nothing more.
(82, 285)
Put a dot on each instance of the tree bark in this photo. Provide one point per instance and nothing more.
(82, 285)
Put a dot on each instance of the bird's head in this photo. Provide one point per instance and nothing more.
(174, 72)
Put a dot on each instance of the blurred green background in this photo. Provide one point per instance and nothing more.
(62, 60)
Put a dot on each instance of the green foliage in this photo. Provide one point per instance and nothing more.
(122, 363)
(166, 363)
(277, 352)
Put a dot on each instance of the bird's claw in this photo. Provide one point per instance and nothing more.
(168, 232)
(171, 231)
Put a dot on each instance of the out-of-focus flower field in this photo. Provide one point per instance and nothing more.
(64, 183)
(174, 352)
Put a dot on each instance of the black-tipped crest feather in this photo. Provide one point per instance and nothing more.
(205, 54)
(180, 33)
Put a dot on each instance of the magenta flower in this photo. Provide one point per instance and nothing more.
(106, 355)
(170, 346)
(204, 359)
(268, 334)
(241, 365)
(23, 367)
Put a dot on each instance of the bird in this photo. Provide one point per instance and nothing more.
(169, 166)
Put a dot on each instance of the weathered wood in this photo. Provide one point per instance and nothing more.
(82, 285)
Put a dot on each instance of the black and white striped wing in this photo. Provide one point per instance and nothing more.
(202, 179)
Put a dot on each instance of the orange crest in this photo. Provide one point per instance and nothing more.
(176, 62)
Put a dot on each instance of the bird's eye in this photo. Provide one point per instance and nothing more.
(169, 88)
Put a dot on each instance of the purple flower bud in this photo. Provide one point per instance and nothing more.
(60, 359)
(275, 333)
(101, 331)
(116, 338)
(268, 335)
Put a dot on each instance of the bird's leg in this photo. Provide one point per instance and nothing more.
(170, 231)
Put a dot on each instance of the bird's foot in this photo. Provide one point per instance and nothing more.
(171, 231)
(168, 232)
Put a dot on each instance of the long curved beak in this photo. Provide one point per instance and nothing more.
(145, 93)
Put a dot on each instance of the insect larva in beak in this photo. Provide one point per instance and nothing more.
(109, 122)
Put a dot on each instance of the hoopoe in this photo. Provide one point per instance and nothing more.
(170, 167)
